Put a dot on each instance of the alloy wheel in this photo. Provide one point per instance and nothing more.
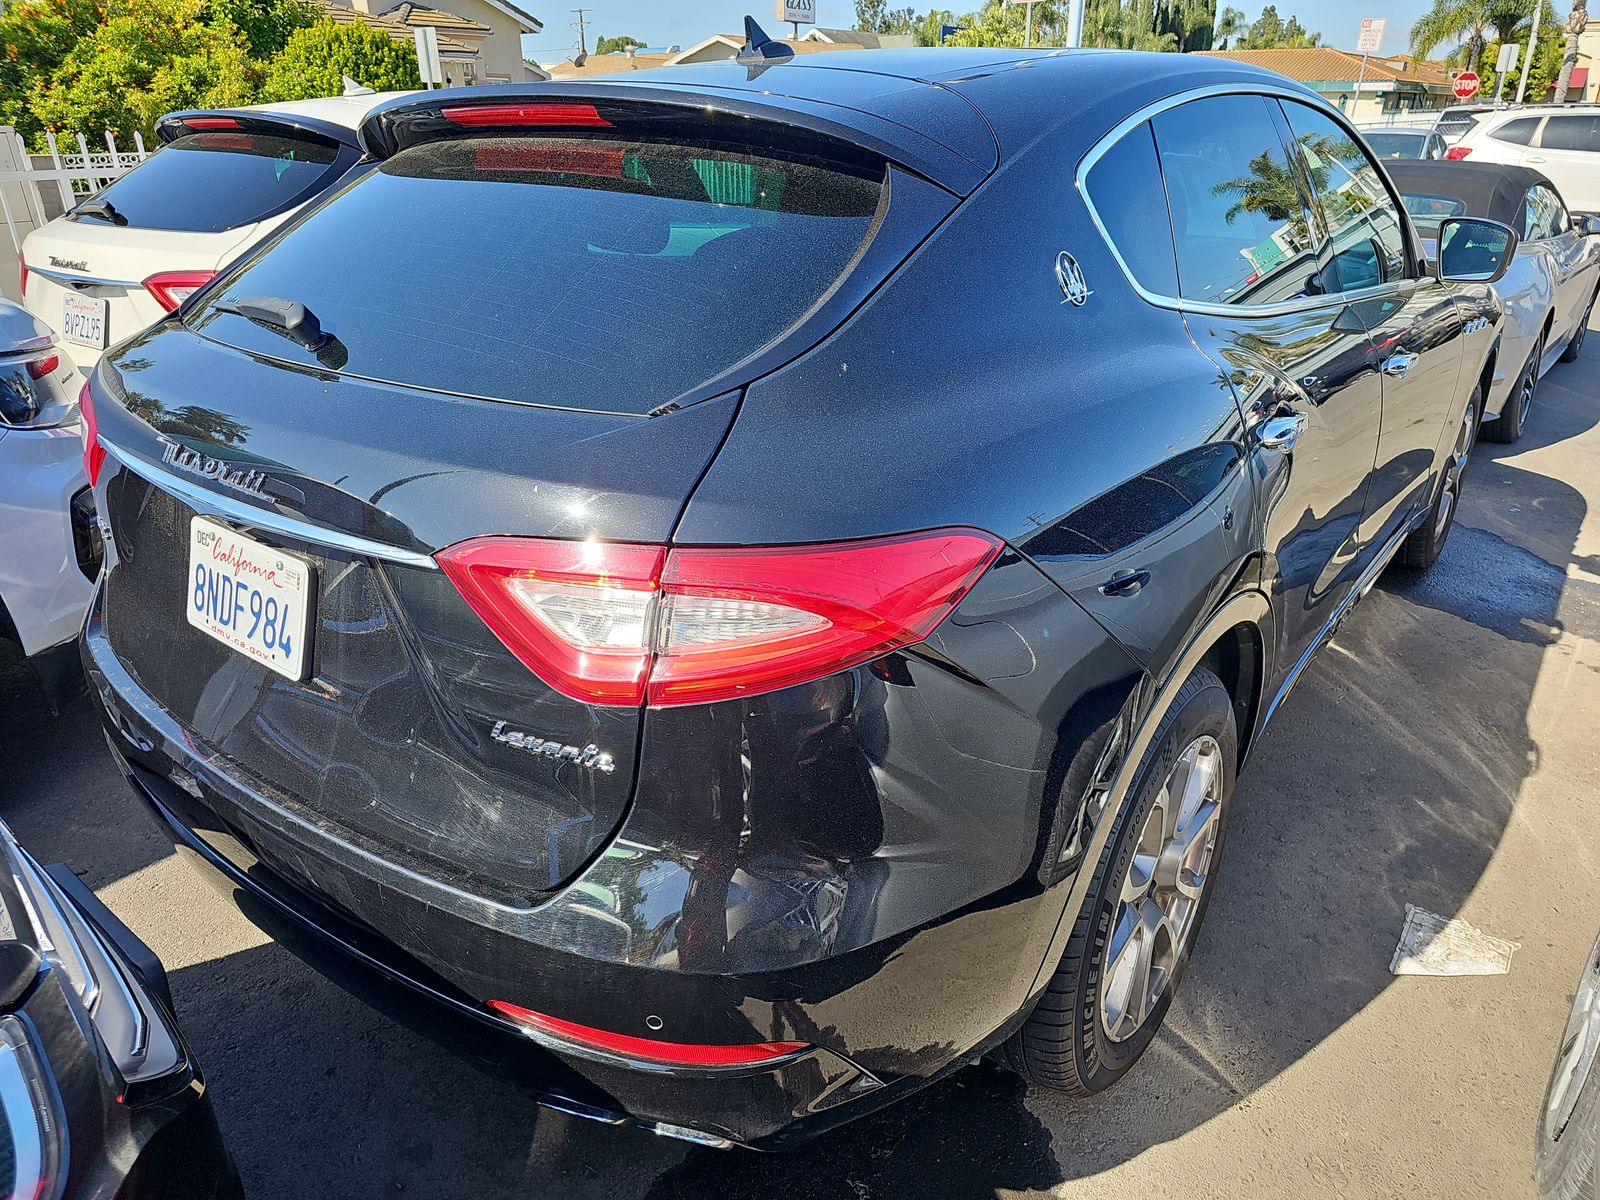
(1530, 382)
(1580, 1045)
(1161, 892)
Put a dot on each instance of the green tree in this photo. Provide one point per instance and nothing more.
(35, 38)
(153, 56)
(615, 45)
(1270, 31)
(315, 57)
(1467, 24)
(266, 24)
(930, 24)
(875, 16)
(1546, 66)
(1229, 25)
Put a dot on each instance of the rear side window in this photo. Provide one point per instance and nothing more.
(1518, 132)
(208, 182)
(1125, 188)
(1428, 211)
(1571, 133)
(590, 274)
(1242, 232)
(1365, 240)
(1543, 215)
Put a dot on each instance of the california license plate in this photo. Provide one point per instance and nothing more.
(83, 321)
(251, 597)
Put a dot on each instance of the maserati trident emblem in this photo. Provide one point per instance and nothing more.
(590, 756)
(240, 479)
(1070, 276)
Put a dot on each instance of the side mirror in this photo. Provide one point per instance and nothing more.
(1472, 250)
(1587, 224)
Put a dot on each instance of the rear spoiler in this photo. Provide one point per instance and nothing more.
(653, 110)
(209, 120)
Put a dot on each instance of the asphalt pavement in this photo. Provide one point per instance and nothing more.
(1443, 752)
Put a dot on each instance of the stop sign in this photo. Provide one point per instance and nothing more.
(1466, 85)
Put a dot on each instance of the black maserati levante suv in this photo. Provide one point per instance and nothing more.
(726, 593)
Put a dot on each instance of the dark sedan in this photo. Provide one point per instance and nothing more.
(99, 1097)
(726, 593)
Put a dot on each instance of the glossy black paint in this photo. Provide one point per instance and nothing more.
(158, 1141)
(880, 863)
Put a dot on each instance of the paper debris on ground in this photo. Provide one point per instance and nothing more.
(1435, 945)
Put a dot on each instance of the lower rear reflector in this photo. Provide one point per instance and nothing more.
(680, 1054)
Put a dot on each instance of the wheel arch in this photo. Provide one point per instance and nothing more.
(1235, 638)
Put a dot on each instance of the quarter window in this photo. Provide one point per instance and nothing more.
(1239, 222)
(1518, 132)
(1571, 133)
(1125, 188)
(1544, 216)
(1362, 242)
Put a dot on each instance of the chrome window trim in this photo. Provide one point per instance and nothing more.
(214, 504)
(86, 280)
(1166, 103)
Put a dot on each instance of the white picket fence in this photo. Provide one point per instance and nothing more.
(35, 188)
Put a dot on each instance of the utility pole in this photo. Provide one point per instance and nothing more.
(1075, 23)
(1527, 60)
(580, 24)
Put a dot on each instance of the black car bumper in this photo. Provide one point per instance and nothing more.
(99, 1136)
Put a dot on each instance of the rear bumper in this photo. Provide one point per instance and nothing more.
(879, 1020)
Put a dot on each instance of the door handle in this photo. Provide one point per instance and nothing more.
(1534, 158)
(1125, 583)
(1398, 364)
(1280, 433)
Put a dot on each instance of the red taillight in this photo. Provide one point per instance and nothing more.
(211, 123)
(94, 454)
(40, 367)
(625, 625)
(1457, 153)
(172, 288)
(478, 115)
(681, 1054)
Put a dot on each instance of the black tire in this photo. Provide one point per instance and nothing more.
(1564, 1142)
(1422, 549)
(1508, 426)
(1065, 1044)
(1575, 342)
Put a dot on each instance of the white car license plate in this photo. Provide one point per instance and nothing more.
(83, 320)
(251, 597)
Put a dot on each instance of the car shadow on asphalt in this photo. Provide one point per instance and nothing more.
(1387, 778)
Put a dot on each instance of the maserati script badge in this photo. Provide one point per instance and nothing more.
(590, 756)
(240, 479)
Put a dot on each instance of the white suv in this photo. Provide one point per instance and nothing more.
(1560, 140)
(223, 179)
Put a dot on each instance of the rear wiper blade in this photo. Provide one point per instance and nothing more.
(102, 209)
(294, 321)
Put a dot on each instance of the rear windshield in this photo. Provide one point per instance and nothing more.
(208, 182)
(1427, 211)
(576, 274)
(1396, 145)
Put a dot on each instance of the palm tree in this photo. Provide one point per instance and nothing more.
(1455, 22)
(1230, 24)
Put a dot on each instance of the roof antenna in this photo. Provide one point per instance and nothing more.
(352, 88)
(759, 49)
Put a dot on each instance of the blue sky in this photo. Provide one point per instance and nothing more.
(688, 21)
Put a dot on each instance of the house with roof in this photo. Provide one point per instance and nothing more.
(717, 47)
(480, 41)
(839, 38)
(1389, 86)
